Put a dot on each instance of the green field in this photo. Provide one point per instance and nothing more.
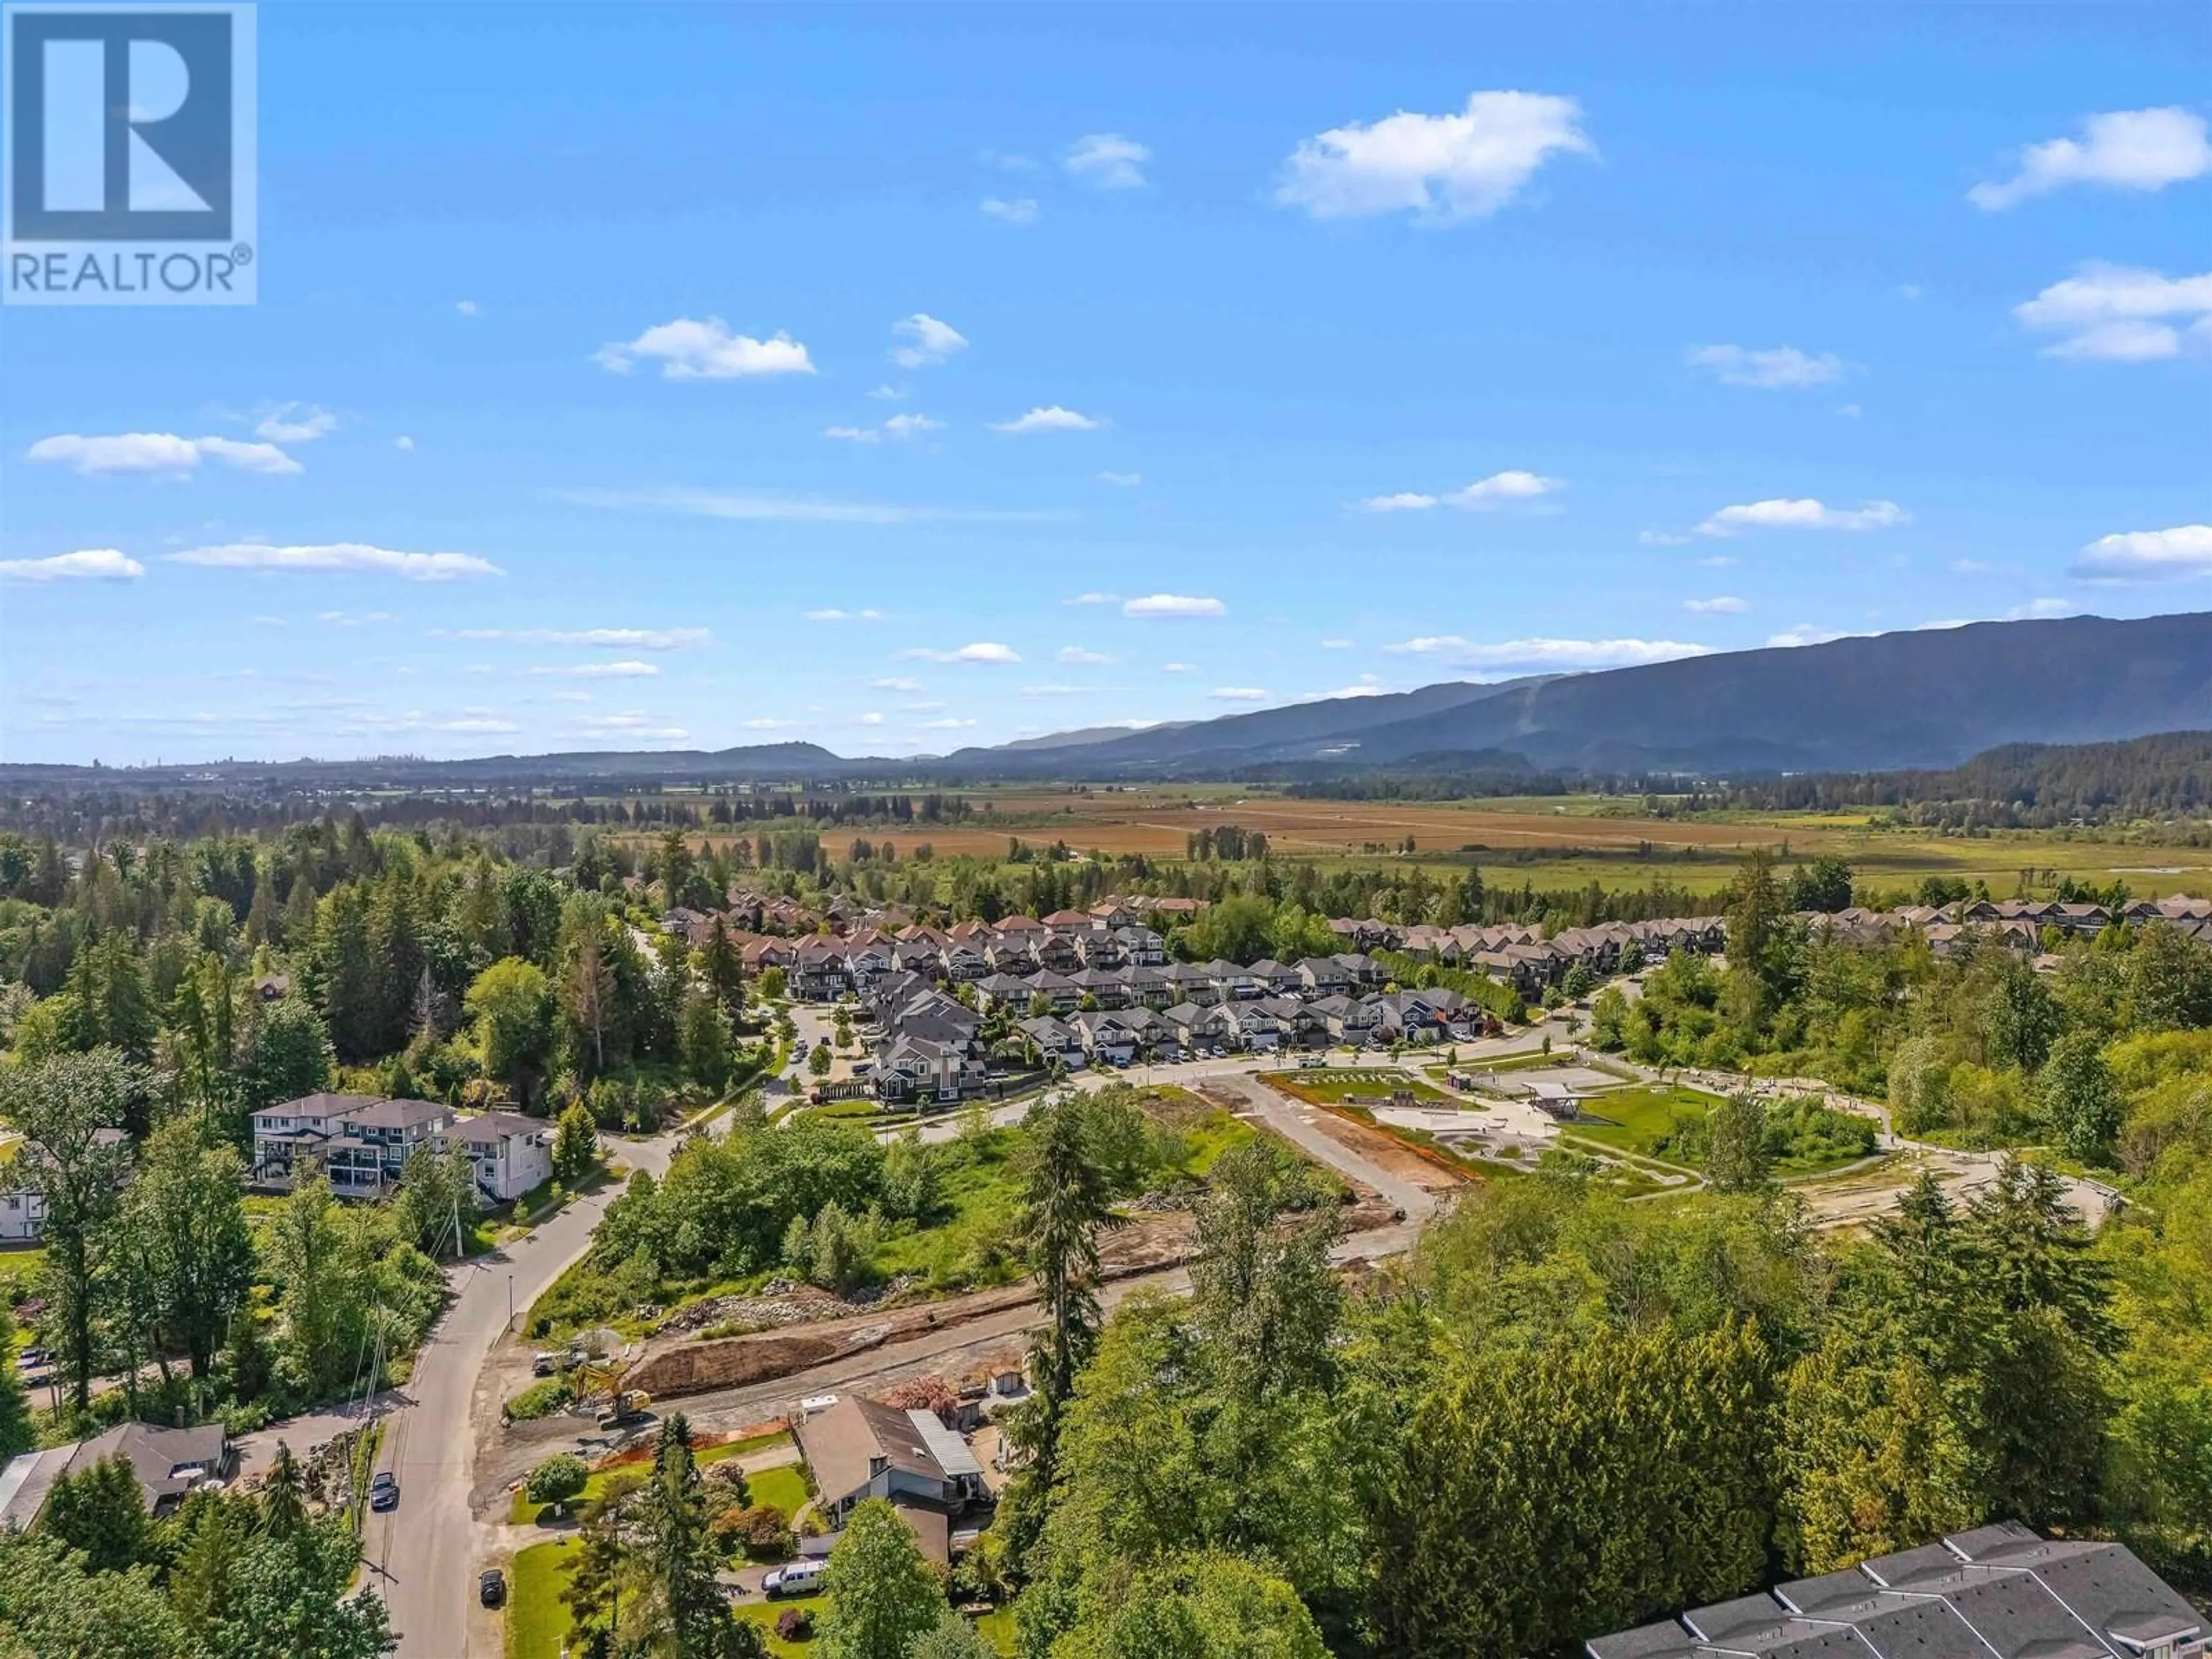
(1642, 1120)
(536, 1618)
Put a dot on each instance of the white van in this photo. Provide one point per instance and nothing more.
(799, 1578)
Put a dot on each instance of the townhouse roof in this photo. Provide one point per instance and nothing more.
(490, 1128)
(1996, 1591)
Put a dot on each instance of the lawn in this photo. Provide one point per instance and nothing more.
(524, 1513)
(536, 1618)
(1333, 1086)
(765, 1614)
(783, 1486)
(1644, 1121)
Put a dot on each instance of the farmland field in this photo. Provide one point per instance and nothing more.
(1549, 842)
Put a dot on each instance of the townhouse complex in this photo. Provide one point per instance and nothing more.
(1100, 987)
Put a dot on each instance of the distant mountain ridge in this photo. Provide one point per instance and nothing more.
(1928, 698)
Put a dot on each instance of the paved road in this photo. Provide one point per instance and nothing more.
(424, 1555)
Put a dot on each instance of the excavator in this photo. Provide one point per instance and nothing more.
(601, 1380)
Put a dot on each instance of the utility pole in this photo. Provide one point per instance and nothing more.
(510, 1301)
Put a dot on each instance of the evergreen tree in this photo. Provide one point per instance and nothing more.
(101, 1511)
(685, 1609)
(2079, 1102)
(575, 1143)
(1736, 1157)
(69, 1107)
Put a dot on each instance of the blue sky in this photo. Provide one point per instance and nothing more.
(901, 378)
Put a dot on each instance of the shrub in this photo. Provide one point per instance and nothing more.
(558, 1480)
(794, 1625)
(541, 1399)
(761, 1531)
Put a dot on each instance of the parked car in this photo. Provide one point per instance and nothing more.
(491, 1587)
(1309, 1062)
(383, 1491)
(799, 1578)
(31, 1359)
(541, 1364)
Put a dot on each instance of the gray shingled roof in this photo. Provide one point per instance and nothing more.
(1997, 1592)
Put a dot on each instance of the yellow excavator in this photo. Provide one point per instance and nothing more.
(601, 1380)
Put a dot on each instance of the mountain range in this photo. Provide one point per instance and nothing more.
(1930, 697)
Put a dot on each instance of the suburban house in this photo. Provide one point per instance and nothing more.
(359, 1141)
(1997, 1592)
(862, 1449)
(168, 1462)
(511, 1153)
(1053, 1039)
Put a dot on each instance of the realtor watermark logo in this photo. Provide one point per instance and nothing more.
(127, 156)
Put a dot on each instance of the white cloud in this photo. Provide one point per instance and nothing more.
(1802, 633)
(1050, 418)
(1173, 604)
(93, 564)
(831, 613)
(403, 442)
(2148, 555)
(750, 506)
(1056, 691)
(764, 725)
(1336, 645)
(2124, 149)
(1021, 210)
(1126, 480)
(1782, 366)
(1495, 490)
(1109, 160)
(1078, 654)
(352, 618)
(890, 393)
(1716, 561)
(872, 718)
(599, 670)
(340, 556)
(614, 639)
(1367, 685)
(898, 427)
(950, 723)
(2041, 609)
(895, 684)
(1094, 598)
(689, 348)
(1442, 169)
(981, 651)
(1725, 605)
(475, 719)
(157, 452)
(1662, 539)
(1548, 653)
(2120, 314)
(1503, 487)
(1239, 693)
(296, 423)
(1807, 515)
(1178, 668)
(633, 722)
(927, 341)
(466, 308)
